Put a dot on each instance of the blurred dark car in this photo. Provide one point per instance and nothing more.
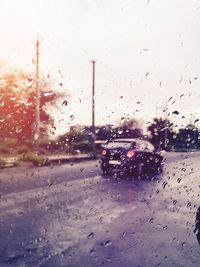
(134, 156)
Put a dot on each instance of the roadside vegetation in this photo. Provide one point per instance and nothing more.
(2, 162)
(78, 141)
(18, 126)
(35, 159)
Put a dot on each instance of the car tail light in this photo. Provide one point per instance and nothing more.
(130, 153)
(103, 152)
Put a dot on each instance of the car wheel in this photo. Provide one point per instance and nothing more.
(159, 170)
(105, 172)
(158, 167)
(139, 170)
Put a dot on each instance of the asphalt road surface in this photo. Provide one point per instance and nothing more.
(69, 215)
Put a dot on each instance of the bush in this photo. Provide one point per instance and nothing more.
(37, 160)
(23, 149)
(2, 162)
(10, 146)
(4, 149)
(82, 146)
(10, 142)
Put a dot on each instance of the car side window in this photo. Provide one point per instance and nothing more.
(134, 145)
(141, 146)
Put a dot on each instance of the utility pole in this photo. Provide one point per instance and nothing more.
(93, 104)
(166, 126)
(93, 95)
(37, 89)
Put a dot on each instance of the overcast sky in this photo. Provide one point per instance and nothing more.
(146, 52)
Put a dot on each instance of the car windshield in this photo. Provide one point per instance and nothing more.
(119, 144)
(100, 133)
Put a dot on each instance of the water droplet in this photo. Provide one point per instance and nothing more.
(108, 259)
(18, 130)
(124, 234)
(13, 98)
(48, 93)
(71, 117)
(20, 212)
(151, 220)
(50, 182)
(48, 207)
(118, 195)
(27, 104)
(92, 252)
(29, 81)
(164, 184)
(65, 103)
(107, 243)
(183, 244)
(15, 87)
(175, 112)
(90, 236)
(123, 157)
(115, 175)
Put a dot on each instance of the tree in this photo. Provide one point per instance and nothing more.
(17, 105)
(188, 137)
(128, 128)
(161, 133)
(103, 132)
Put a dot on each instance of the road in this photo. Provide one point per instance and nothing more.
(69, 215)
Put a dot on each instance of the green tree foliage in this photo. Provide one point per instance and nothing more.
(161, 133)
(128, 128)
(188, 137)
(18, 105)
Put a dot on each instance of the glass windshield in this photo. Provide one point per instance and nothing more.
(119, 144)
(100, 133)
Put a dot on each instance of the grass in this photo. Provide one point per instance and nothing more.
(183, 150)
(37, 155)
(84, 147)
(36, 160)
(2, 162)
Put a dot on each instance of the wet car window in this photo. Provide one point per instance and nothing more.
(100, 133)
(142, 145)
(149, 146)
(120, 144)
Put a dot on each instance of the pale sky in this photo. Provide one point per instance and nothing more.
(145, 51)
